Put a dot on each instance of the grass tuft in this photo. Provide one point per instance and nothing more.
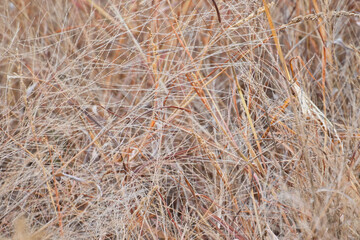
(179, 119)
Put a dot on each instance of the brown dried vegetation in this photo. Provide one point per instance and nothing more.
(179, 119)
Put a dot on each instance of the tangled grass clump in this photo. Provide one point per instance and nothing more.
(179, 119)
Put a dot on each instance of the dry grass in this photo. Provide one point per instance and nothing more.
(179, 119)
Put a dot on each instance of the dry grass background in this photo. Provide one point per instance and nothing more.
(154, 120)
